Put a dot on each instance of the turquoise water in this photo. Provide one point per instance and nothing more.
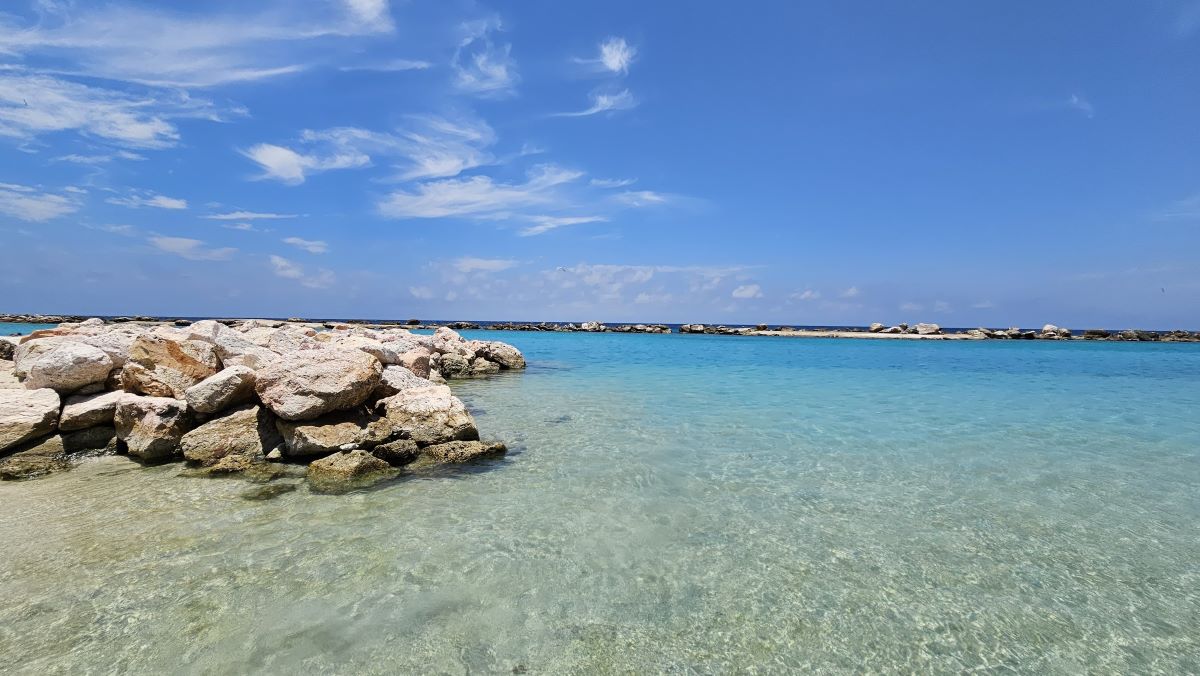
(672, 503)
(9, 328)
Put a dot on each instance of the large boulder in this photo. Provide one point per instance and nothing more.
(876, 327)
(8, 379)
(161, 366)
(247, 431)
(505, 355)
(290, 340)
(151, 427)
(428, 415)
(462, 451)
(116, 343)
(417, 361)
(233, 347)
(310, 383)
(356, 464)
(386, 353)
(26, 414)
(8, 346)
(447, 341)
(67, 367)
(928, 329)
(396, 379)
(89, 410)
(397, 452)
(218, 392)
(52, 454)
(341, 430)
(453, 365)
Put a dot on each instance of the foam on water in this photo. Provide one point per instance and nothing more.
(672, 503)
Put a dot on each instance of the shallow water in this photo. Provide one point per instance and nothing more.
(11, 328)
(671, 503)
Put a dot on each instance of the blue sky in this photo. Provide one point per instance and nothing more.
(809, 163)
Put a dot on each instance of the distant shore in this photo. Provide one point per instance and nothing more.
(920, 331)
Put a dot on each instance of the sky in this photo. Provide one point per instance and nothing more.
(811, 163)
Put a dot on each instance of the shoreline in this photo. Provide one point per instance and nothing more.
(921, 331)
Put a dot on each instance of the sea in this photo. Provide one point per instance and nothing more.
(669, 504)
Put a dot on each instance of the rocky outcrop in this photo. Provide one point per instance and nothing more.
(876, 327)
(398, 452)
(68, 367)
(342, 466)
(161, 366)
(396, 379)
(221, 390)
(927, 329)
(343, 430)
(89, 410)
(26, 414)
(428, 415)
(310, 383)
(462, 451)
(151, 427)
(248, 431)
(53, 453)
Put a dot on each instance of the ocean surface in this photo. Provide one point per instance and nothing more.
(693, 504)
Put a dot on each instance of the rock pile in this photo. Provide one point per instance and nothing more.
(351, 401)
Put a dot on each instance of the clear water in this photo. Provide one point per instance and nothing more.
(10, 328)
(672, 503)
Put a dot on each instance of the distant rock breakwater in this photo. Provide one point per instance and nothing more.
(352, 403)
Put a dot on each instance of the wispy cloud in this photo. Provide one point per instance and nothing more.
(469, 264)
(747, 291)
(287, 269)
(32, 105)
(124, 230)
(544, 224)
(807, 294)
(1077, 102)
(429, 147)
(421, 292)
(247, 216)
(393, 66)
(1186, 209)
(477, 196)
(100, 159)
(603, 102)
(310, 245)
(852, 292)
(33, 204)
(150, 45)
(191, 249)
(640, 198)
(615, 56)
(611, 182)
(481, 67)
(140, 198)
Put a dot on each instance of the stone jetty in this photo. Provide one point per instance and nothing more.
(351, 403)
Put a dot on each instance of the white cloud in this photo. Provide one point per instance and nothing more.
(604, 102)
(139, 199)
(545, 224)
(1077, 102)
(430, 147)
(309, 245)
(611, 182)
(852, 292)
(645, 298)
(100, 159)
(911, 307)
(983, 305)
(747, 291)
(32, 105)
(615, 56)
(469, 264)
(149, 45)
(393, 66)
(247, 216)
(807, 294)
(285, 268)
(191, 249)
(422, 292)
(126, 230)
(640, 198)
(480, 67)
(247, 227)
(477, 196)
(33, 204)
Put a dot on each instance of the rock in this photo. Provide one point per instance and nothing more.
(51, 454)
(116, 343)
(67, 367)
(428, 415)
(1050, 328)
(151, 427)
(332, 432)
(928, 329)
(507, 356)
(483, 367)
(591, 326)
(398, 452)
(340, 466)
(218, 392)
(8, 346)
(453, 365)
(692, 328)
(876, 327)
(248, 431)
(84, 411)
(893, 329)
(396, 379)
(462, 451)
(413, 322)
(386, 353)
(8, 379)
(1096, 334)
(167, 367)
(416, 361)
(446, 341)
(26, 414)
(290, 340)
(275, 455)
(310, 383)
